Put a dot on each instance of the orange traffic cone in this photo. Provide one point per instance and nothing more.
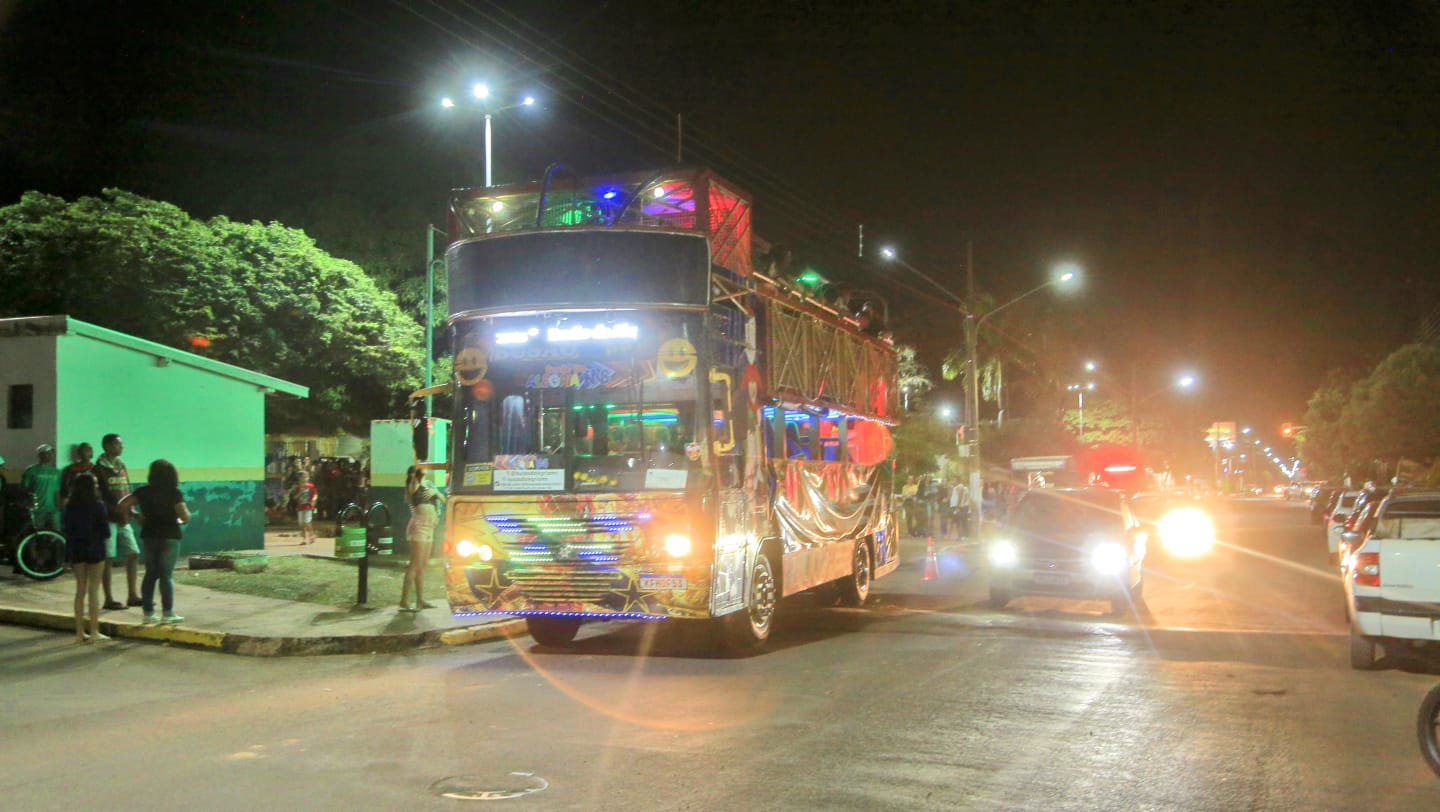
(932, 564)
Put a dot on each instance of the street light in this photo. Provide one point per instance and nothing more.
(1080, 390)
(1184, 381)
(1063, 273)
(481, 92)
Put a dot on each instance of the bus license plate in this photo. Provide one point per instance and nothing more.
(662, 582)
(1052, 578)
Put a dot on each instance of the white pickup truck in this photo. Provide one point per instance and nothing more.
(1392, 576)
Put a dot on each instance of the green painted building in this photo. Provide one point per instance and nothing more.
(67, 382)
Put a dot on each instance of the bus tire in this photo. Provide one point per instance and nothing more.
(855, 587)
(553, 631)
(751, 626)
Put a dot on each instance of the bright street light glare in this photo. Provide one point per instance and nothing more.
(887, 252)
(1185, 382)
(1066, 271)
(1089, 366)
(447, 102)
(529, 101)
(481, 90)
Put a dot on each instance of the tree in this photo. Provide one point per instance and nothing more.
(914, 378)
(1325, 445)
(260, 296)
(1395, 412)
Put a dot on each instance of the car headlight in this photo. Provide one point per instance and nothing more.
(469, 549)
(1003, 553)
(1110, 558)
(677, 545)
(1187, 533)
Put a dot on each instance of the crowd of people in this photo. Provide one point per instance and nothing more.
(94, 505)
(936, 506)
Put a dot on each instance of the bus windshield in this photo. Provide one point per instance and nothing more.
(588, 414)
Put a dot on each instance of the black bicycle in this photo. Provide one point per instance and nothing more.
(34, 551)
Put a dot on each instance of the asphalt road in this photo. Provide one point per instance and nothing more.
(1231, 692)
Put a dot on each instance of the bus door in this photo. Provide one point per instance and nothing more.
(732, 507)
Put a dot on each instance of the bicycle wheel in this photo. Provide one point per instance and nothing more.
(41, 555)
(1427, 725)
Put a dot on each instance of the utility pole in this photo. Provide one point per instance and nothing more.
(972, 342)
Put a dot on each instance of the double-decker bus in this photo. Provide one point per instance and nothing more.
(646, 425)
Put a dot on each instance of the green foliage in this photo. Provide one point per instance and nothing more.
(914, 378)
(1026, 437)
(264, 296)
(918, 441)
(1392, 414)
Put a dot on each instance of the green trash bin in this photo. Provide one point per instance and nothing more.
(350, 543)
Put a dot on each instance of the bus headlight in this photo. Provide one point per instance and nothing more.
(677, 545)
(469, 549)
(1109, 558)
(1003, 553)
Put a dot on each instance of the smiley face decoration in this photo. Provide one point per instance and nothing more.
(677, 358)
(471, 364)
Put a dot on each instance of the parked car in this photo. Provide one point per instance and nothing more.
(1335, 522)
(1082, 543)
(1322, 500)
(1392, 579)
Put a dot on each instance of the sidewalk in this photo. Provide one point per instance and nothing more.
(252, 625)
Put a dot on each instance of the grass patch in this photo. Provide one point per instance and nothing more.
(314, 580)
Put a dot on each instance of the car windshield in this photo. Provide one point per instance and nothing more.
(1066, 513)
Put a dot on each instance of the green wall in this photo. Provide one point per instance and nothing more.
(211, 426)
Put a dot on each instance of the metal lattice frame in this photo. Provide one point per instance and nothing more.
(814, 361)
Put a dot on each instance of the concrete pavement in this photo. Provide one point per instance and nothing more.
(253, 625)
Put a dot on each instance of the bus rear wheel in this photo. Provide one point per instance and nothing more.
(553, 631)
(750, 626)
(855, 587)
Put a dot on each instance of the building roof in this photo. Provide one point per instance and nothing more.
(65, 325)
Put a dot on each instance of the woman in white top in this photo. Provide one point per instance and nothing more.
(424, 501)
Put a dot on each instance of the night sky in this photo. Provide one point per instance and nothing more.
(1251, 188)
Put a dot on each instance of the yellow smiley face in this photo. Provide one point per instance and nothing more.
(471, 365)
(677, 358)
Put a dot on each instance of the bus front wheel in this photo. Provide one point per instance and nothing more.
(553, 631)
(750, 626)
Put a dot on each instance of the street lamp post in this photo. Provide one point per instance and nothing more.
(1079, 389)
(972, 339)
(481, 92)
(430, 263)
(1182, 382)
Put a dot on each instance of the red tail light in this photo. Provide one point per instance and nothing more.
(1367, 569)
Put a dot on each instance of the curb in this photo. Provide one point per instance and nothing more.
(250, 645)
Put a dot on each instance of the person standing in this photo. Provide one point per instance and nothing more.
(302, 499)
(81, 457)
(424, 501)
(114, 481)
(959, 500)
(908, 493)
(162, 512)
(86, 525)
(42, 480)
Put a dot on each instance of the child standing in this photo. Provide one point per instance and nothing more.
(86, 524)
(162, 512)
(302, 497)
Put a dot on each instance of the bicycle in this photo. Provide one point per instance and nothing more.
(35, 552)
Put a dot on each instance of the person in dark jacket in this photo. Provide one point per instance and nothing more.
(86, 525)
(162, 512)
